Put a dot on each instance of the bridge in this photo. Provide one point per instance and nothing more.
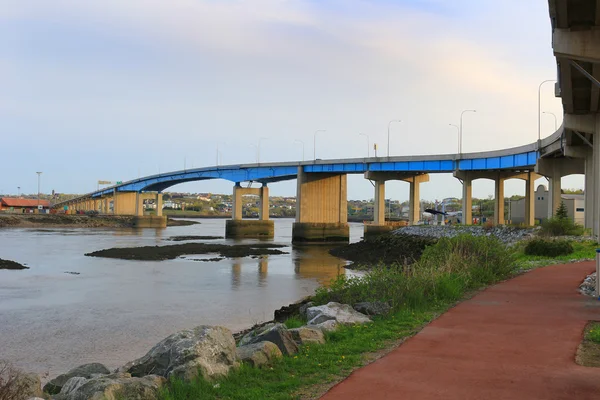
(321, 208)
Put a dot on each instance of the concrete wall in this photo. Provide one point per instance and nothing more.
(573, 203)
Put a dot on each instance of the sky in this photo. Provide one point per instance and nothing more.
(113, 90)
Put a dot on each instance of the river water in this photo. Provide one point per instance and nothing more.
(113, 311)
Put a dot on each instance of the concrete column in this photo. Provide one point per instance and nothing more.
(264, 203)
(159, 204)
(530, 199)
(414, 202)
(115, 201)
(106, 205)
(467, 202)
(237, 202)
(554, 191)
(596, 173)
(139, 204)
(321, 208)
(499, 202)
(379, 207)
(589, 190)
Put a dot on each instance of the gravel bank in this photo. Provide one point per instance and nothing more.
(505, 234)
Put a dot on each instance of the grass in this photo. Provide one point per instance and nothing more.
(314, 364)
(581, 251)
(447, 272)
(294, 322)
(593, 335)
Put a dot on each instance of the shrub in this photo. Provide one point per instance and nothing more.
(560, 227)
(548, 248)
(12, 386)
(294, 322)
(445, 272)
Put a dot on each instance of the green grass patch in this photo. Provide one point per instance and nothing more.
(314, 364)
(294, 322)
(583, 250)
(593, 334)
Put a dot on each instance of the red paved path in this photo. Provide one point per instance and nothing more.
(515, 340)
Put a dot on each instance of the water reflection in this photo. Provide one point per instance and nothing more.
(315, 262)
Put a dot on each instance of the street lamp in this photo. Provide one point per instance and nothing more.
(38, 197)
(301, 142)
(18, 191)
(368, 143)
(315, 142)
(259, 141)
(555, 121)
(388, 144)
(460, 130)
(540, 107)
(257, 154)
(457, 135)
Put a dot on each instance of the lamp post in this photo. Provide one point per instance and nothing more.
(540, 107)
(18, 191)
(301, 142)
(555, 120)
(388, 144)
(460, 130)
(259, 141)
(256, 154)
(368, 143)
(39, 174)
(457, 135)
(315, 142)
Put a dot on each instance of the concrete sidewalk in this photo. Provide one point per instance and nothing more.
(515, 340)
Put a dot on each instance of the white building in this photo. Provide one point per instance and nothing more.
(573, 202)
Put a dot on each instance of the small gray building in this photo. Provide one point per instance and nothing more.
(573, 202)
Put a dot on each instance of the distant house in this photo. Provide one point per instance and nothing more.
(17, 205)
(573, 202)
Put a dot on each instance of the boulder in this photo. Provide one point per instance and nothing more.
(305, 335)
(83, 371)
(274, 333)
(341, 313)
(327, 326)
(373, 308)
(208, 350)
(259, 354)
(112, 387)
(304, 307)
(30, 385)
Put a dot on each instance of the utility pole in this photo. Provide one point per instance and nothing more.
(38, 196)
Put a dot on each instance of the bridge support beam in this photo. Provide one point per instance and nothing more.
(379, 224)
(589, 190)
(321, 208)
(239, 228)
(554, 169)
(530, 199)
(467, 201)
(499, 201)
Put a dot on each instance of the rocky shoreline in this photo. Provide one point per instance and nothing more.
(75, 221)
(208, 351)
(12, 265)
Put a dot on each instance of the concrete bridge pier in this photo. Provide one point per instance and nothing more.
(238, 228)
(321, 208)
(499, 178)
(379, 224)
(554, 169)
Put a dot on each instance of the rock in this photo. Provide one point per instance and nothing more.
(30, 385)
(84, 371)
(374, 308)
(274, 333)
(304, 307)
(285, 312)
(588, 287)
(305, 335)
(341, 313)
(73, 384)
(327, 326)
(208, 350)
(113, 387)
(259, 354)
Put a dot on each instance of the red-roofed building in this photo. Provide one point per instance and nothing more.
(21, 205)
